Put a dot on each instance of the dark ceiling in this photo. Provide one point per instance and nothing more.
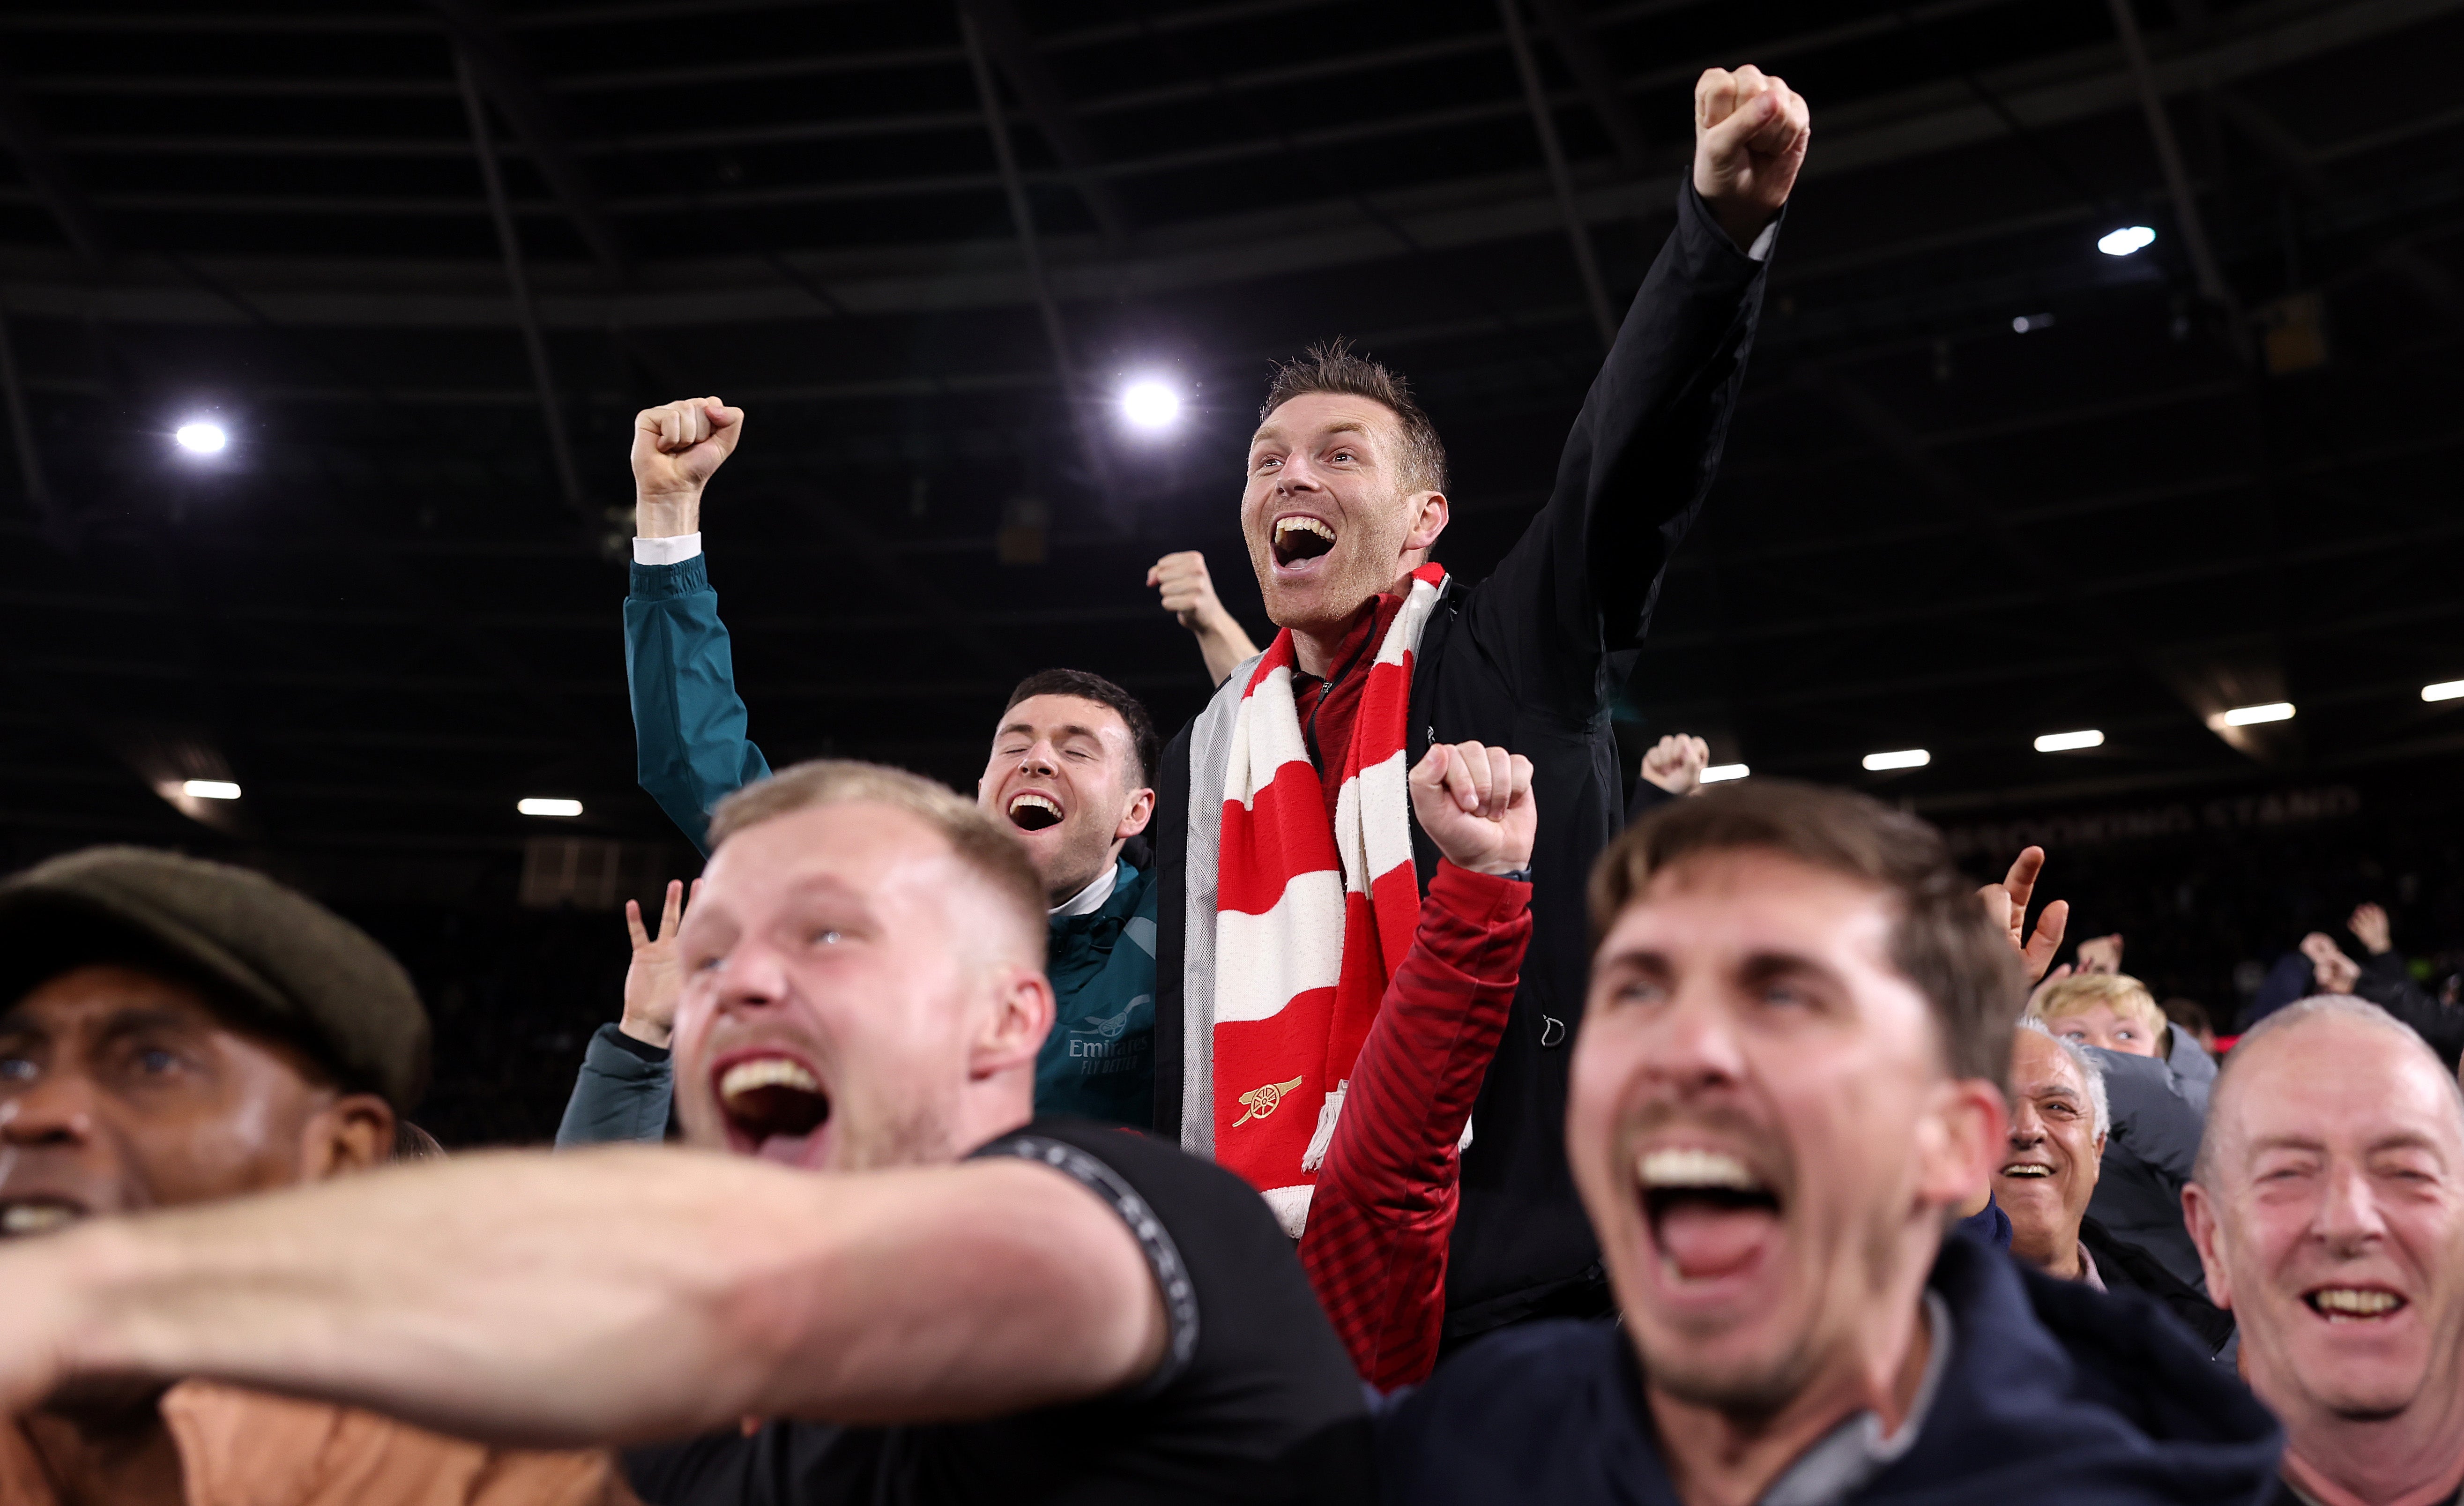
(1986, 483)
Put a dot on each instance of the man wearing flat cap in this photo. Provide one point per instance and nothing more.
(175, 1031)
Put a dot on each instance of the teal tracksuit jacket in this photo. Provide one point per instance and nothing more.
(690, 729)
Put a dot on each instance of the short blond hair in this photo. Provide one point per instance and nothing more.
(2126, 996)
(976, 839)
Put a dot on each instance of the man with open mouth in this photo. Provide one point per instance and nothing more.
(1787, 1080)
(895, 1284)
(1380, 655)
(175, 1033)
(1068, 775)
(2329, 1209)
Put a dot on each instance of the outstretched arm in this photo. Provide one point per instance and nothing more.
(1385, 1206)
(616, 1296)
(688, 724)
(1643, 450)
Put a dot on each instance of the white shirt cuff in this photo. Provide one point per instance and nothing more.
(1759, 251)
(674, 550)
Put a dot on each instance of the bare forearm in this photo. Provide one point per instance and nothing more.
(620, 1295)
(668, 516)
(1226, 647)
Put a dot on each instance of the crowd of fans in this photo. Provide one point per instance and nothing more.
(1414, 1112)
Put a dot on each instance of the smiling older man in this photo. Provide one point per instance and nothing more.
(1787, 1080)
(2059, 1124)
(2329, 1209)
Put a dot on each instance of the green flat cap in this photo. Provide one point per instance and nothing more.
(296, 970)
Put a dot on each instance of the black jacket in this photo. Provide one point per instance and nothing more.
(2052, 1393)
(2122, 1266)
(1529, 660)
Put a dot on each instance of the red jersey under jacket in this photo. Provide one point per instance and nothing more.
(1384, 1207)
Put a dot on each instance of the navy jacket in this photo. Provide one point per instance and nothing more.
(2053, 1393)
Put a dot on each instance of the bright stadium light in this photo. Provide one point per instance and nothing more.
(198, 436)
(1719, 771)
(209, 790)
(2252, 716)
(2128, 241)
(2444, 690)
(1150, 403)
(536, 806)
(1904, 758)
(2066, 741)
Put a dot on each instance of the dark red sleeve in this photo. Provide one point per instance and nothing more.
(1384, 1207)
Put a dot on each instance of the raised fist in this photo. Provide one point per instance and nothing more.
(1188, 593)
(676, 448)
(1751, 132)
(1188, 590)
(1676, 763)
(1476, 804)
(2370, 926)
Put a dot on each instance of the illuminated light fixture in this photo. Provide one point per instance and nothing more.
(536, 806)
(2028, 322)
(2067, 742)
(2444, 690)
(2128, 241)
(2252, 716)
(197, 436)
(1906, 757)
(1149, 404)
(209, 790)
(1725, 772)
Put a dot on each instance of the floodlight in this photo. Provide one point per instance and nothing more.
(2066, 741)
(198, 436)
(2129, 241)
(1150, 403)
(2025, 322)
(209, 790)
(2444, 690)
(2251, 715)
(1724, 771)
(536, 806)
(1904, 758)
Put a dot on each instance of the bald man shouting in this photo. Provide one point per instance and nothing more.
(2329, 1209)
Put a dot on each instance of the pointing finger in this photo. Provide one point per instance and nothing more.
(673, 910)
(633, 923)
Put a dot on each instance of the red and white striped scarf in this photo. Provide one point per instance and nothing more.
(1309, 922)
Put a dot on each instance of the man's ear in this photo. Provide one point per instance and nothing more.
(1958, 1140)
(1135, 815)
(353, 1133)
(2199, 1215)
(1429, 514)
(1014, 1028)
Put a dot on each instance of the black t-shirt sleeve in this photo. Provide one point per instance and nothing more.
(1040, 1144)
(1254, 1400)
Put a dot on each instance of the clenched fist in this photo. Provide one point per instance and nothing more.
(676, 448)
(1751, 132)
(1676, 762)
(1188, 593)
(1476, 804)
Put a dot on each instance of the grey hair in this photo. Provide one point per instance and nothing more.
(2091, 1072)
(2318, 1006)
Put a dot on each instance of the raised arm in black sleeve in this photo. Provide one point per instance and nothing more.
(1581, 581)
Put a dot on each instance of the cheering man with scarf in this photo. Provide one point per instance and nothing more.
(1292, 870)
